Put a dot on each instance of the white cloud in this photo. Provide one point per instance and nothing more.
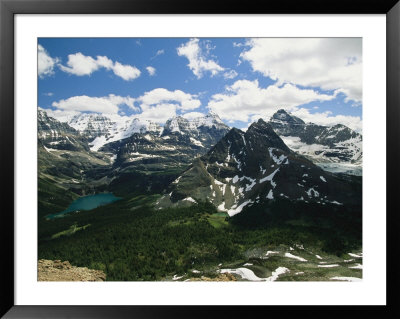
(244, 99)
(80, 65)
(230, 74)
(159, 113)
(151, 70)
(45, 62)
(157, 105)
(198, 62)
(183, 101)
(238, 44)
(161, 104)
(126, 72)
(83, 103)
(60, 115)
(159, 52)
(104, 62)
(328, 63)
(48, 94)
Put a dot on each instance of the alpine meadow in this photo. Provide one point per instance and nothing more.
(196, 159)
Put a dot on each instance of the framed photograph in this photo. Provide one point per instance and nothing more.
(162, 155)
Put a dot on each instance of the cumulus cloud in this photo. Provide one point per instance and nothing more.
(103, 61)
(157, 105)
(244, 99)
(151, 70)
(60, 115)
(158, 113)
(80, 65)
(126, 72)
(198, 62)
(106, 104)
(328, 63)
(161, 104)
(183, 101)
(46, 63)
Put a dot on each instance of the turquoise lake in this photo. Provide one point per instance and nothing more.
(86, 203)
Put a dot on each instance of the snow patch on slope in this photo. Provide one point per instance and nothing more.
(237, 209)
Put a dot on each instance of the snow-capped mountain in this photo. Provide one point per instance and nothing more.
(92, 125)
(53, 134)
(202, 131)
(64, 157)
(230, 168)
(103, 129)
(325, 145)
(179, 143)
(194, 126)
(136, 142)
(244, 169)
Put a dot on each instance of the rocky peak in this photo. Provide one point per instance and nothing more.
(261, 134)
(53, 134)
(323, 144)
(235, 133)
(49, 127)
(176, 124)
(92, 124)
(42, 115)
(283, 116)
(142, 126)
(184, 126)
(214, 116)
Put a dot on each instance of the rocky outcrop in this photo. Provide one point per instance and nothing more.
(220, 277)
(57, 270)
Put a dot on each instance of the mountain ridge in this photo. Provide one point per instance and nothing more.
(323, 144)
(245, 168)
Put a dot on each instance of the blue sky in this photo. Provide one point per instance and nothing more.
(241, 80)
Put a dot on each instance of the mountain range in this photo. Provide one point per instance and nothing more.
(198, 160)
(247, 168)
(176, 144)
(96, 152)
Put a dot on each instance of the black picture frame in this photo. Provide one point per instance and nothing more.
(8, 8)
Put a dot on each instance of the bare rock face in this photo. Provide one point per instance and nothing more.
(220, 277)
(57, 270)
